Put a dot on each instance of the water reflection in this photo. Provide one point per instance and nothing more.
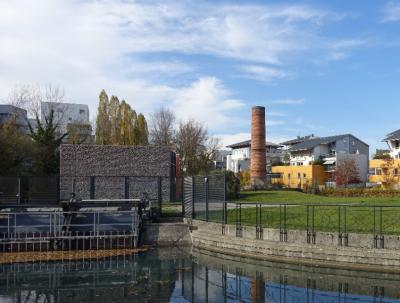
(167, 275)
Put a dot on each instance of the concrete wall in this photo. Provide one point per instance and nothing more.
(166, 234)
(326, 251)
(111, 164)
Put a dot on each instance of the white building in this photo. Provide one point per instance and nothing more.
(393, 141)
(70, 118)
(329, 151)
(65, 113)
(239, 160)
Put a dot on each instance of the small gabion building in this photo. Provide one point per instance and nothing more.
(117, 172)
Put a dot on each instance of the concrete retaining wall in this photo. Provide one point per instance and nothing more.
(325, 252)
(166, 234)
(110, 164)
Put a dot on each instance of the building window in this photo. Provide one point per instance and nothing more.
(396, 172)
(299, 175)
(378, 171)
(304, 176)
(82, 111)
(288, 175)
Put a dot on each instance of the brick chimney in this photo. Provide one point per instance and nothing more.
(258, 153)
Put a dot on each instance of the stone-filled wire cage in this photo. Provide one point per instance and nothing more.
(205, 197)
(118, 172)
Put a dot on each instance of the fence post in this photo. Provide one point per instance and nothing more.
(19, 194)
(58, 180)
(193, 211)
(92, 187)
(126, 188)
(224, 212)
(206, 183)
(159, 194)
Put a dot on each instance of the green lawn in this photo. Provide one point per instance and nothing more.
(286, 196)
(359, 216)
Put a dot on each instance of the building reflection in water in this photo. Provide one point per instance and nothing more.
(174, 276)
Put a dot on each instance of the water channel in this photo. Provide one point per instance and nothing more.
(180, 275)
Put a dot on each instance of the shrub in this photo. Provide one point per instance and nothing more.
(359, 192)
(232, 185)
(244, 178)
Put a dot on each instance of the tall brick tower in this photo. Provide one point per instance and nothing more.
(258, 153)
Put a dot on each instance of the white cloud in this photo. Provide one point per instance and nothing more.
(289, 101)
(275, 114)
(86, 46)
(206, 100)
(391, 12)
(274, 122)
(263, 73)
(228, 139)
(341, 49)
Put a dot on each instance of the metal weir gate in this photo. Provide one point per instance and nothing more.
(44, 231)
(204, 197)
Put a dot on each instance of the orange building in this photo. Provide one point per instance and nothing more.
(301, 177)
(385, 173)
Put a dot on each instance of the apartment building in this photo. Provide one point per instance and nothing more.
(70, 118)
(393, 141)
(385, 172)
(19, 115)
(316, 159)
(239, 159)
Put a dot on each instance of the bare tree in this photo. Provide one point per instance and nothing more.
(347, 172)
(162, 123)
(31, 98)
(196, 147)
(28, 97)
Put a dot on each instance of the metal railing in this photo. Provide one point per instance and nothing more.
(49, 231)
(376, 222)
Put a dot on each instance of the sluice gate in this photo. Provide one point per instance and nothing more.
(87, 225)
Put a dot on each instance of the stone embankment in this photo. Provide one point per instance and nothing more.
(326, 252)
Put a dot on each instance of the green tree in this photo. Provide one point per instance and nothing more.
(47, 142)
(17, 150)
(124, 128)
(103, 120)
(143, 131)
(133, 128)
(118, 124)
(196, 147)
(115, 120)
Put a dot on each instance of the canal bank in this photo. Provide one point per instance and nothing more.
(325, 252)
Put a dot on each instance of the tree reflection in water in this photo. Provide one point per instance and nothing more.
(173, 275)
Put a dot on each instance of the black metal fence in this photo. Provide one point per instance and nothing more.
(204, 197)
(377, 223)
(51, 190)
(19, 190)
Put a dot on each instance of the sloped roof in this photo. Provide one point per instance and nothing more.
(393, 136)
(299, 140)
(311, 143)
(247, 143)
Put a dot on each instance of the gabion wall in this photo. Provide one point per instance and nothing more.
(110, 165)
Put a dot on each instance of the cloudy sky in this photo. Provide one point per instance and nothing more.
(322, 67)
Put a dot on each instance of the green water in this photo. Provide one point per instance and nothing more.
(175, 275)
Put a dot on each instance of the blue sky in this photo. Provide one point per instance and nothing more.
(322, 67)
